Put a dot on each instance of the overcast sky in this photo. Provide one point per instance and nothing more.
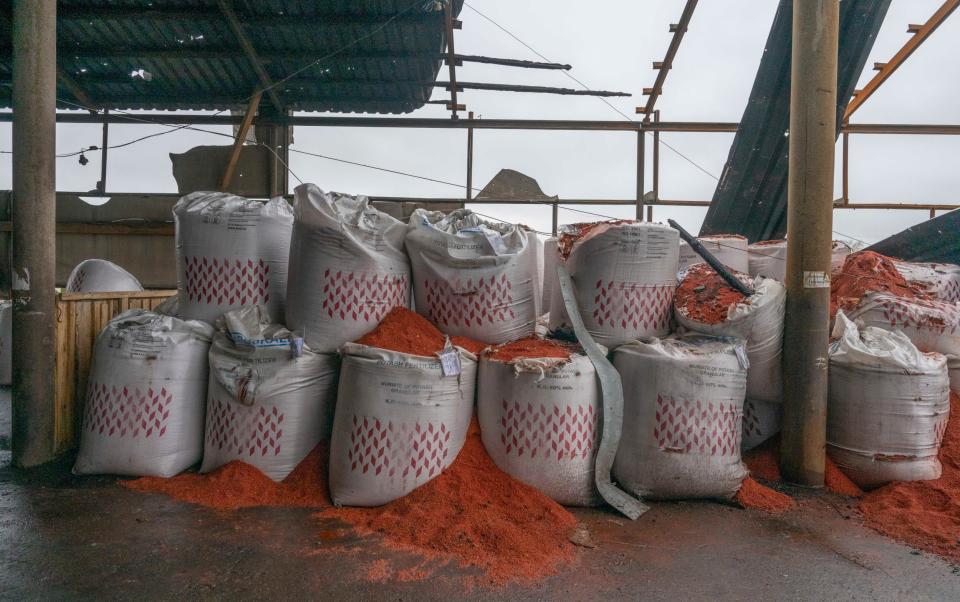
(610, 49)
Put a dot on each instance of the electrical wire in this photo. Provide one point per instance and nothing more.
(586, 87)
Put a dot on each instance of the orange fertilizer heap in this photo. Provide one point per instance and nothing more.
(407, 331)
(924, 514)
(532, 347)
(705, 296)
(240, 485)
(764, 463)
(754, 495)
(476, 515)
(865, 272)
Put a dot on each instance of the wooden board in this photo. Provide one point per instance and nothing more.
(80, 318)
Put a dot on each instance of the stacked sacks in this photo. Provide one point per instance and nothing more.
(348, 268)
(888, 406)
(231, 252)
(931, 325)
(270, 399)
(624, 275)
(729, 249)
(6, 342)
(768, 259)
(706, 304)
(144, 410)
(100, 276)
(404, 403)
(540, 410)
(474, 278)
(682, 412)
(939, 280)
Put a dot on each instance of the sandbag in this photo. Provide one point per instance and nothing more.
(624, 276)
(759, 321)
(761, 420)
(399, 422)
(231, 252)
(940, 280)
(729, 249)
(888, 406)
(930, 325)
(270, 399)
(768, 259)
(540, 422)
(682, 414)
(6, 342)
(348, 267)
(145, 399)
(551, 259)
(474, 278)
(101, 276)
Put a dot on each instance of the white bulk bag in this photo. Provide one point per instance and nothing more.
(540, 421)
(551, 259)
(6, 342)
(888, 406)
(231, 252)
(474, 278)
(268, 402)
(348, 268)
(101, 276)
(730, 250)
(682, 413)
(930, 325)
(941, 280)
(768, 259)
(838, 255)
(399, 422)
(761, 420)
(145, 399)
(624, 276)
(759, 321)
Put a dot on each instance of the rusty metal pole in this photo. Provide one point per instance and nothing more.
(470, 159)
(641, 176)
(34, 215)
(813, 102)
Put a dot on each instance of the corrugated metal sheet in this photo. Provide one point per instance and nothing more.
(195, 62)
(936, 240)
(751, 197)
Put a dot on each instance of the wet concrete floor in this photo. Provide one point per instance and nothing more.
(66, 537)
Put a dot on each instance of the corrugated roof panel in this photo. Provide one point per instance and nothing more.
(196, 62)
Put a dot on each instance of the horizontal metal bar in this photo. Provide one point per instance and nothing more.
(906, 206)
(902, 128)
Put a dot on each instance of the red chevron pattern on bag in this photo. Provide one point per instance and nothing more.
(230, 282)
(125, 411)
(951, 290)
(540, 431)
(634, 306)
(359, 296)
(77, 282)
(389, 449)
(939, 317)
(469, 303)
(703, 427)
(751, 421)
(244, 430)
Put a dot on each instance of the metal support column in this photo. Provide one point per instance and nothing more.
(656, 158)
(813, 102)
(641, 176)
(34, 186)
(104, 147)
(470, 160)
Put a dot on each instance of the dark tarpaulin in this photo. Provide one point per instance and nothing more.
(936, 240)
(751, 197)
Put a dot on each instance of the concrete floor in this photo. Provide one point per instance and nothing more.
(66, 537)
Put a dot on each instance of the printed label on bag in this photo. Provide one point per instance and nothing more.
(450, 362)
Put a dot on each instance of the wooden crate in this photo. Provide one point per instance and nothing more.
(80, 318)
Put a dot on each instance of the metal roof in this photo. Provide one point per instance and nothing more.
(382, 56)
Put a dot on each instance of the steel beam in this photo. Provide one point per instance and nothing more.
(34, 204)
(663, 68)
(451, 58)
(885, 70)
(806, 330)
(250, 52)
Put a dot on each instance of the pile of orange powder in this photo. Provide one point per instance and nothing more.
(407, 331)
(705, 296)
(866, 272)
